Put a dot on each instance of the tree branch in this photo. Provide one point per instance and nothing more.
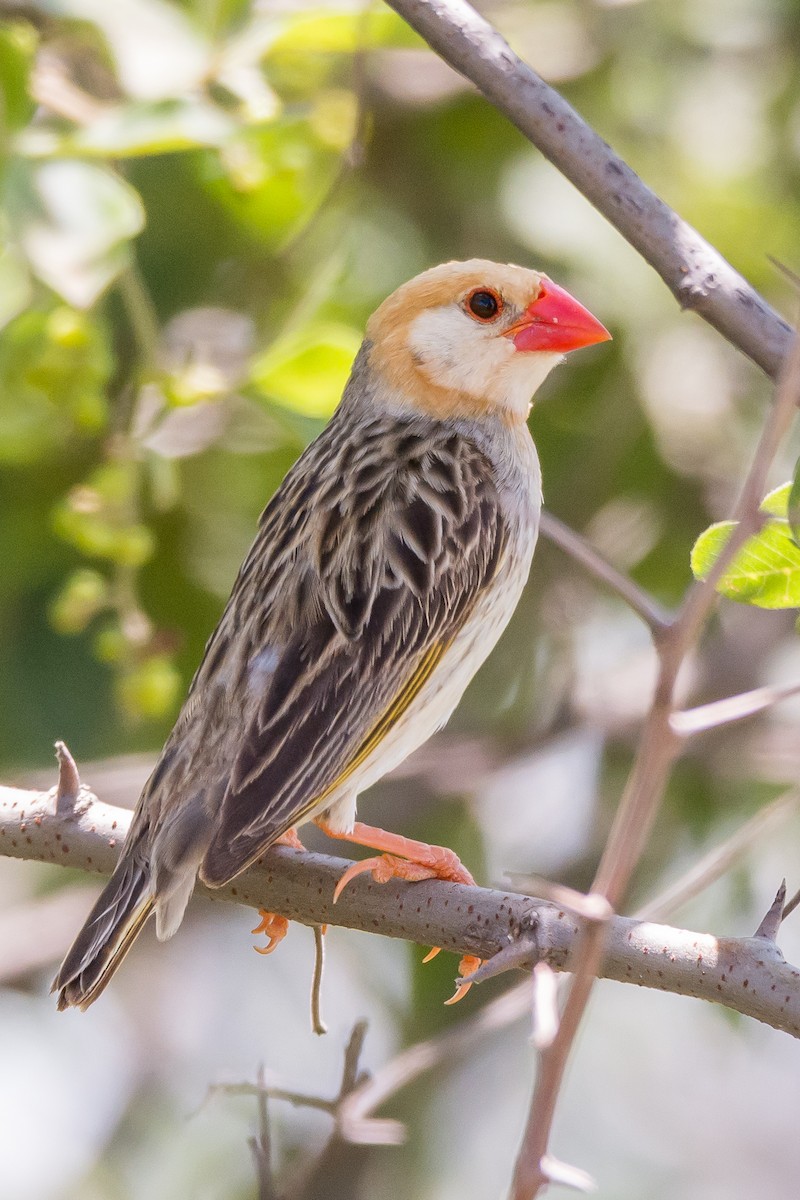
(644, 789)
(582, 552)
(697, 274)
(732, 708)
(749, 975)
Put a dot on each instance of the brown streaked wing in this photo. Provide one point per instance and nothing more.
(394, 562)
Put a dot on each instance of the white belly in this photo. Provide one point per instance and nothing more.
(437, 699)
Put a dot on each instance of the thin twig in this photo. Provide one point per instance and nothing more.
(718, 860)
(578, 548)
(351, 1071)
(142, 317)
(700, 598)
(355, 1117)
(514, 1004)
(659, 745)
(791, 905)
(260, 1144)
(273, 1092)
(533, 1169)
(732, 708)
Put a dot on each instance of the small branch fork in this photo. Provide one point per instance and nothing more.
(264, 1090)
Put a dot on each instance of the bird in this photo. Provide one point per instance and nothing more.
(385, 567)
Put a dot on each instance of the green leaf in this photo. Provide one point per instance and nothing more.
(775, 502)
(342, 32)
(17, 47)
(133, 130)
(15, 285)
(73, 220)
(793, 505)
(307, 372)
(275, 178)
(81, 598)
(158, 50)
(54, 372)
(765, 572)
(306, 50)
(150, 689)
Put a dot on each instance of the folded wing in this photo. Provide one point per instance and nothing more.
(384, 573)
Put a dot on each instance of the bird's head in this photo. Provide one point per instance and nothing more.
(476, 338)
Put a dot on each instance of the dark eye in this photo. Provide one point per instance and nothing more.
(483, 304)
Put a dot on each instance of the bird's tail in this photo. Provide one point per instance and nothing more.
(108, 934)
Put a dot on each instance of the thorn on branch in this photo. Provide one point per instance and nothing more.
(522, 952)
(544, 1009)
(352, 1077)
(69, 782)
(260, 1143)
(591, 907)
(768, 929)
(555, 1171)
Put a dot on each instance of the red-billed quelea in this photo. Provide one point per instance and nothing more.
(385, 568)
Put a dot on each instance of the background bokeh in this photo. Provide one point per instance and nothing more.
(202, 202)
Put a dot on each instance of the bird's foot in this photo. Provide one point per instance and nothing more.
(290, 838)
(468, 964)
(403, 858)
(271, 924)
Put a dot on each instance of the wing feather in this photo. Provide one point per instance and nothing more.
(389, 568)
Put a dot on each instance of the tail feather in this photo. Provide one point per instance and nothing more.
(109, 932)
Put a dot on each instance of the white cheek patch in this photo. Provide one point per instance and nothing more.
(457, 352)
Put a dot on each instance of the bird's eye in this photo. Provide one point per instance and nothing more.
(484, 305)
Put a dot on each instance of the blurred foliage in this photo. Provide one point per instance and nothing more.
(200, 204)
(246, 122)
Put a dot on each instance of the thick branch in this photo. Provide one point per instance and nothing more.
(697, 274)
(747, 974)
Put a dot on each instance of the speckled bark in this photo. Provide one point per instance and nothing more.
(746, 974)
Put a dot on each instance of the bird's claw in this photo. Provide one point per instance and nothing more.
(384, 867)
(430, 862)
(468, 965)
(272, 926)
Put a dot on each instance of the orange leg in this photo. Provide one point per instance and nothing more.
(272, 925)
(403, 858)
